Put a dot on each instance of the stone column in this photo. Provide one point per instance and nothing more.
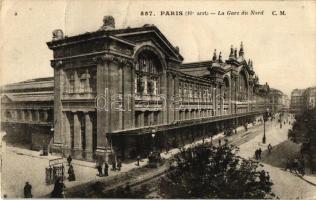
(128, 92)
(88, 136)
(102, 63)
(221, 100)
(88, 86)
(37, 115)
(22, 115)
(45, 115)
(120, 92)
(77, 81)
(141, 119)
(30, 115)
(176, 99)
(164, 91)
(77, 136)
(66, 131)
(215, 99)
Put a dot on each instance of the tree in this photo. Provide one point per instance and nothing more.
(214, 172)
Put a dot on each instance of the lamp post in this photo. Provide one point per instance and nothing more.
(49, 144)
(153, 134)
(265, 118)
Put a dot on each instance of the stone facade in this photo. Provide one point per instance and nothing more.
(303, 99)
(117, 89)
(27, 112)
(126, 92)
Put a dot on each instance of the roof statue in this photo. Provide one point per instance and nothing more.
(108, 23)
(214, 56)
(58, 34)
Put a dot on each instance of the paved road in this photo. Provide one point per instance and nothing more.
(286, 185)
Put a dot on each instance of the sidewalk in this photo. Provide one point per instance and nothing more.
(32, 168)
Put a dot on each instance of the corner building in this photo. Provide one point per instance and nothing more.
(126, 92)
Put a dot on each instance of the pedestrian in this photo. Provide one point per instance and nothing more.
(269, 148)
(69, 159)
(71, 173)
(288, 165)
(256, 154)
(106, 169)
(114, 164)
(259, 153)
(138, 160)
(28, 190)
(59, 189)
(167, 147)
(302, 166)
(295, 164)
(219, 142)
(99, 168)
(226, 141)
(119, 164)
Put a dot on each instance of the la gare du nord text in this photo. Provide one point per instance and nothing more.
(182, 13)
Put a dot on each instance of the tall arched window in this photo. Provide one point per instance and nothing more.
(226, 89)
(243, 87)
(148, 70)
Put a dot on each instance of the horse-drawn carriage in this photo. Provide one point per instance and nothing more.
(154, 159)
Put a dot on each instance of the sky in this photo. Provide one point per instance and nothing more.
(282, 47)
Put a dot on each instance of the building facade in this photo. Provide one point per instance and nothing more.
(27, 112)
(278, 101)
(297, 101)
(126, 92)
(303, 99)
(310, 98)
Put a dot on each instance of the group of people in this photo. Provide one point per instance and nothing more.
(116, 166)
(258, 154)
(297, 165)
(105, 166)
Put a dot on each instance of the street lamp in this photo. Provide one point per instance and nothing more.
(153, 134)
(265, 118)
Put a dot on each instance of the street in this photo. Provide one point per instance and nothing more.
(286, 185)
(20, 165)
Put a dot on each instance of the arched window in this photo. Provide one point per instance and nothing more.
(226, 89)
(8, 115)
(148, 70)
(243, 87)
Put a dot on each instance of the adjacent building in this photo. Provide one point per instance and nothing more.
(297, 101)
(27, 112)
(303, 99)
(310, 98)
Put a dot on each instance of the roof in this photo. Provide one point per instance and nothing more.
(125, 34)
(206, 63)
(42, 84)
(27, 97)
